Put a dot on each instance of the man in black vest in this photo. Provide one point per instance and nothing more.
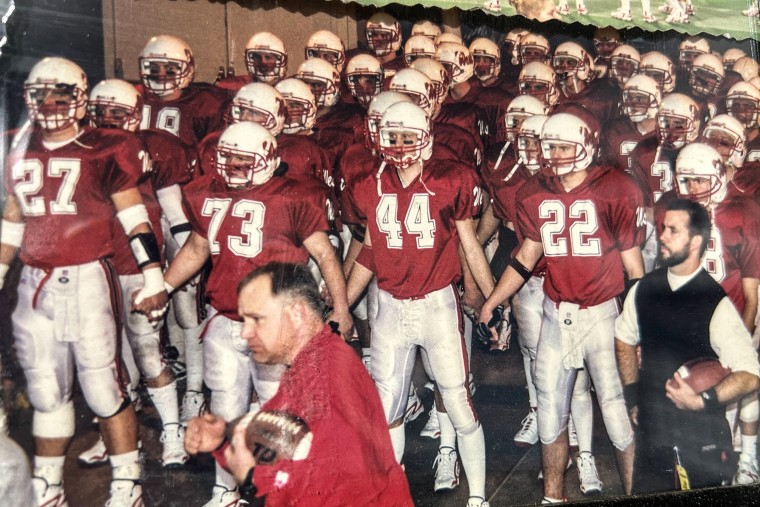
(672, 315)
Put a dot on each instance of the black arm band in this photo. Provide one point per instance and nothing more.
(248, 489)
(631, 395)
(145, 249)
(712, 405)
(518, 266)
(186, 227)
(357, 232)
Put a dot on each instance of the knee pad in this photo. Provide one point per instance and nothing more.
(45, 393)
(459, 407)
(147, 354)
(749, 409)
(101, 389)
(58, 423)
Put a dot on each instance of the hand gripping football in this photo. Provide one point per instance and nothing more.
(703, 373)
(273, 435)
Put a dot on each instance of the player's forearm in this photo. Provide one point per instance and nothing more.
(11, 231)
(357, 282)
(633, 262)
(488, 225)
(188, 261)
(332, 274)
(749, 288)
(474, 256)
(353, 252)
(628, 364)
(737, 385)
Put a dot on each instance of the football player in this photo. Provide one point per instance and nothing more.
(427, 28)
(540, 81)
(534, 48)
(659, 67)
(688, 50)
(624, 12)
(606, 40)
(706, 76)
(364, 78)
(743, 103)
(584, 275)
(746, 67)
(510, 59)
(563, 9)
(383, 37)
(66, 184)
(624, 63)
(266, 60)
(418, 46)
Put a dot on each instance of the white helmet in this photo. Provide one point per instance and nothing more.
(369, 68)
(375, 111)
(512, 42)
(641, 98)
(328, 46)
(448, 37)
(173, 54)
(458, 61)
(747, 67)
(49, 75)
(521, 108)
(743, 103)
(383, 33)
(530, 130)
(534, 48)
(404, 118)
(427, 28)
(659, 67)
(699, 160)
(115, 104)
(677, 120)
(487, 57)
(567, 129)
(260, 103)
(730, 56)
(706, 75)
(300, 105)
(689, 49)
(418, 46)
(539, 79)
(624, 63)
(570, 60)
(436, 73)
(727, 136)
(416, 86)
(322, 78)
(246, 155)
(266, 57)
(755, 81)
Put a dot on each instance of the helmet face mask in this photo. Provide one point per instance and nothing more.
(383, 34)
(486, 58)
(259, 103)
(365, 78)
(528, 143)
(457, 60)
(675, 131)
(246, 155)
(404, 135)
(572, 64)
(521, 108)
(641, 98)
(115, 104)
(327, 46)
(437, 74)
(300, 105)
(417, 87)
(266, 58)
(660, 68)
(624, 63)
(567, 145)
(704, 82)
(166, 65)
(538, 80)
(726, 134)
(55, 93)
(744, 109)
(701, 175)
(418, 46)
(323, 79)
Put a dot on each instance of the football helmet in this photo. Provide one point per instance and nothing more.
(747, 67)
(699, 161)
(417, 87)
(55, 93)
(418, 46)
(641, 98)
(246, 155)
(528, 143)
(512, 42)
(364, 77)
(300, 105)
(458, 61)
(730, 56)
(755, 81)
(435, 73)
(427, 28)
(706, 75)
(624, 63)
(322, 78)
(383, 33)
(166, 65)
(260, 103)
(727, 136)
(115, 104)
(605, 41)
(567, 144)
(487, 58)
(266, 58)
(533, 48)
(521, 108)
(328, 46)
(375, 111)
(743, 103)
(689, 49)
(572, 63)
(659, 67)
(405, 135)
(539, 80)
(448, 37)
(678, 121)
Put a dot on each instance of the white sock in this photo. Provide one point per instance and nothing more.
(366, 351)
(165, 400)
(398, 441)
(49, 468)
(749, 447)
(224, 478)
(646, 6)
(448, 433)
(472, 451)
(194, 358)
(126, 466)
(626, 5)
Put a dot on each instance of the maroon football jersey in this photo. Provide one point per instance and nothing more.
(251, 227)
(344, 117)
(753, 150)
(733, 252)
(583, 232)
(600, 97)
(618, 140)
(493, 102)
(653, 168)
(305, 158)
(746, 182)
(505, 175)
(198, 112)
(468, 118)
(65, 193)
(468, 149)
(355, 164)
(413, 231)
(233, 83)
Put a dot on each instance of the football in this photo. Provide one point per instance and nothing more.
(702, 374)
(274, 435)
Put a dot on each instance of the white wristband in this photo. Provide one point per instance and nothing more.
(154, 282)
(12, 233)
(132, 217)
(169, 288)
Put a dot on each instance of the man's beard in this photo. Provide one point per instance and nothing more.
(674, 259)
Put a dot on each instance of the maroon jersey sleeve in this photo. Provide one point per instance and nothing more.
(130, 162)
(741, 225)
(469, 201)
(309, 210)
(169, 156)
(626, 212)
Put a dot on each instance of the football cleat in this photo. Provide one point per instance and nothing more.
(432, 427)
(587, 474)
(528, 434)
(193, 405)
(665, 9)
(621, 14)
(648, 18)
(223, 497)
(493, 5)
(582, 10)
(48, 495)
(572, 434)
(477, 501)
(563, 9)
(125, 493)
(414, 406)
(446, 468)
(752, 11)
(173, 440)
(747, 473)
(95, 455)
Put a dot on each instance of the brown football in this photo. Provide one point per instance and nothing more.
(273, 435)
(702, 374)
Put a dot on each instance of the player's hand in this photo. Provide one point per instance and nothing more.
(204, 433)
(486, 327)
(682, 395)
(239, 458)
(154, 307)
(345, 323)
